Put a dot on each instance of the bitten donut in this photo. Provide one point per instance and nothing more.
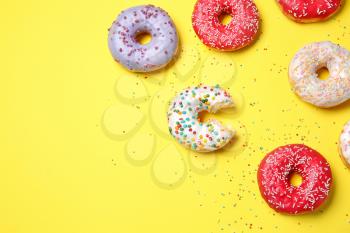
(185, 126)
(304, 78)
(143, 57)
(274, 179)
(240, 32)
(344, 144)
(308, 11)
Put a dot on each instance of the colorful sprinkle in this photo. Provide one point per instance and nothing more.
(199, 136)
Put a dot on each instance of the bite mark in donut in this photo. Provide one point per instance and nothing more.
(185, 126)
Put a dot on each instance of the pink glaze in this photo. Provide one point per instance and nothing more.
(274, 174)
(309, 10)
(240, 32)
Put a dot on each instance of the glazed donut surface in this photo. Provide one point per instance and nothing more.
(240, 32)
(274, 179)
(143, 57)
(308, 11)
(344, 144)
(304, 78)
(185, 126)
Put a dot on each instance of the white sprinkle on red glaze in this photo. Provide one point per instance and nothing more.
(307, 11)
(240, 32)
(274, 179)
(184, 125)
(304, 78)
(143, 57)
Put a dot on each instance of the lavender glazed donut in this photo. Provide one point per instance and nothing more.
(137, 57)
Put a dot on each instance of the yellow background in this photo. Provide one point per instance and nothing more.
(68, 131)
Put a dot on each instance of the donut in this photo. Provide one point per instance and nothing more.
(344, 144)
(309, 11)
(274, 175)
(304, 79)
(138, 57)
(240, 32)
(185, 126)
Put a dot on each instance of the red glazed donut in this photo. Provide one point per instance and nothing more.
(240, 32)
(274, 179)
(308, 11)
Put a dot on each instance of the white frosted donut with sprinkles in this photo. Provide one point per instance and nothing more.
(238, 33)
(138, 57)
(274, 175)
(304, 78)
(344, 144)
(309, 11)
(185, 126)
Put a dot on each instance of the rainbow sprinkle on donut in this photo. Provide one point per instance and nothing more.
(185, 126)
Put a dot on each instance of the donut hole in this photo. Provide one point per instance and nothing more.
(295, 179)
(322, 73)
(143, 38)
(225, 18)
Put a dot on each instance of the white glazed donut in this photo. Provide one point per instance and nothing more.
(304, 79)
(344, 144)
(138, 57)
(185, 126)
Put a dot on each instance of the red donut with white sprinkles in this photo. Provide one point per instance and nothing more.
(238, 33)
(309, 11)
(274, 175)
